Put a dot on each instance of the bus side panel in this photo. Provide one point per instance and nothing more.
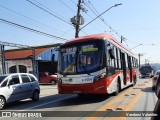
(93, 88)
(134, 73)
(128, 76)
(100, 87)
(104, 86)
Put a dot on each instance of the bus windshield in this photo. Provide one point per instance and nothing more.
(81, 58)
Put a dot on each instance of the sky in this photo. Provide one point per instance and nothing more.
(138, 21)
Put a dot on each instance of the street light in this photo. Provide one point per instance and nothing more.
(147, 60)
(139, 55)
(136, 46)
(100, 15)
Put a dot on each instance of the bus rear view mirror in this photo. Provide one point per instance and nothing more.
(111, 53)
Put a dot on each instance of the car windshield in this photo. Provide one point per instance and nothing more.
(146, 69)
(2, 77)
(81, 58)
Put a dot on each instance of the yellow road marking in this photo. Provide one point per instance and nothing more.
(109, 105)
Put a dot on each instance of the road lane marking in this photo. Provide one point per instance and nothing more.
(46, 103)
(108, 105)
(118, 98)
(128, 108)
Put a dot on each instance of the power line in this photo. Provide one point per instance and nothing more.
(30, 29)
(67, 6)
(102, 19)
(73, 2)
(14, 45)
(42, 5)
(93, 12)
(35, 21)
(100, 15)
(49, 12)
(145, 28)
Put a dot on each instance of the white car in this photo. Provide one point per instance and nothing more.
(18, 86)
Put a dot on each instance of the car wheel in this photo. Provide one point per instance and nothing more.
(53, 82)
(2, 102)
(35, 96)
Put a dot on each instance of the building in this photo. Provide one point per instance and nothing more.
(21, 60)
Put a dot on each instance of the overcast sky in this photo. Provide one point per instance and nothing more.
(136, 20)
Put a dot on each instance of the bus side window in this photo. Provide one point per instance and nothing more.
(136, 63)
(119, 58)
(129, 62)
(110, 62)
(126, 60)
(115, 60)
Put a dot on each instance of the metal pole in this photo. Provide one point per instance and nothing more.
(121, 39)
(100, 15)
(78, 17)
(33, 61)
(139, 59)
(3, 59)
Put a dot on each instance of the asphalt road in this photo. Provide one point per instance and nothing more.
(138, 98)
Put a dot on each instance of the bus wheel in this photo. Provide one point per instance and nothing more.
(117, 89)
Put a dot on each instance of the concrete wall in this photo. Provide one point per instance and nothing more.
(26, 63)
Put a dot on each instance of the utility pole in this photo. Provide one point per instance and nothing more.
(2, 60)
(121, 39)
(78, 18)
(139, 55)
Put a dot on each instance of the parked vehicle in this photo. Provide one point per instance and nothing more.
(146, 71)
(18, 86)
(155, 79)
(157, 106)
(47, 77)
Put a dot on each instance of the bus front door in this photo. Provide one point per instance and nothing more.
(124, 68)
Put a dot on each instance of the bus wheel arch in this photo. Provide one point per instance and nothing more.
(118, 86)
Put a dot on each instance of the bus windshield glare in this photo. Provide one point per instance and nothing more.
(81, 58)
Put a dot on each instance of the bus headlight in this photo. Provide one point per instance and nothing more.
(99, 77)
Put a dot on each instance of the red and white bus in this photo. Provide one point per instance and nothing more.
(95, 64)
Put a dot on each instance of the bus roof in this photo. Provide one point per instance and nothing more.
(102, 36)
